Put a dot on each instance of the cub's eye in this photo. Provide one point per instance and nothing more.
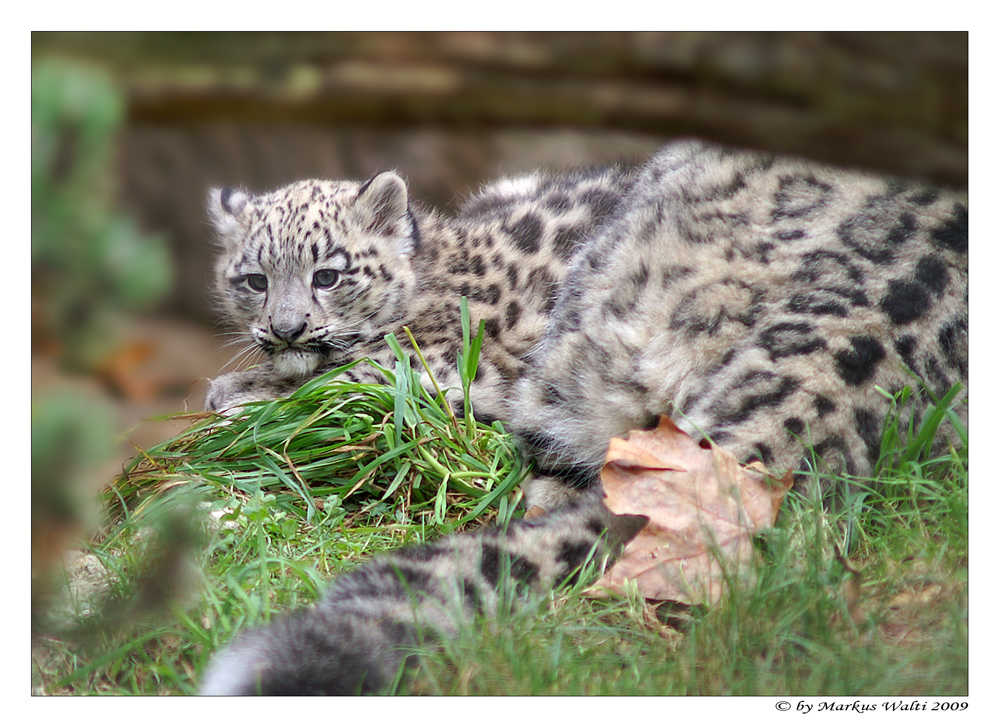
(325, 278)
(257, 281)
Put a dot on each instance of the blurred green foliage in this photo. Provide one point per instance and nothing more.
(89, 265)
(88, 260)
(72, 434)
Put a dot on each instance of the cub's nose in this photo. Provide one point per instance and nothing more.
(288, 332)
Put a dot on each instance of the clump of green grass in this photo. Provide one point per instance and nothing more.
(394, 449)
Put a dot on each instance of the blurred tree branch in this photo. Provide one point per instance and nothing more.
(895, 102)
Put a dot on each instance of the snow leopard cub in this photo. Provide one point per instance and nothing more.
(317, 273)
(760, 300)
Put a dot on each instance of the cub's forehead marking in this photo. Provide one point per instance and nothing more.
(338, 259)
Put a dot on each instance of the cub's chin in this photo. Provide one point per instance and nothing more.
(296, 364)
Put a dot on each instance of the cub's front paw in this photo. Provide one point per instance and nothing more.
(228, 391)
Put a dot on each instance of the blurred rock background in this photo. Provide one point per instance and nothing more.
(129, 130)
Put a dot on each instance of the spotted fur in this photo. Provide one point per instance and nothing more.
(762, 301)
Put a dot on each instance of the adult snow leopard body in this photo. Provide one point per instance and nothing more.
(766, 302)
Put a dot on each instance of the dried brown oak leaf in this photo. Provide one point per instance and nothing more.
(703, 508)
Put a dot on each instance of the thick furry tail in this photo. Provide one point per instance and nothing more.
(356, 639)
(310, 653)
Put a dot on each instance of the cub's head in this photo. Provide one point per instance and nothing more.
(314, 266)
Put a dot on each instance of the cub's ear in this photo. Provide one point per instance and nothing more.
(381, 206)
(226, 201)
(225, 207)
